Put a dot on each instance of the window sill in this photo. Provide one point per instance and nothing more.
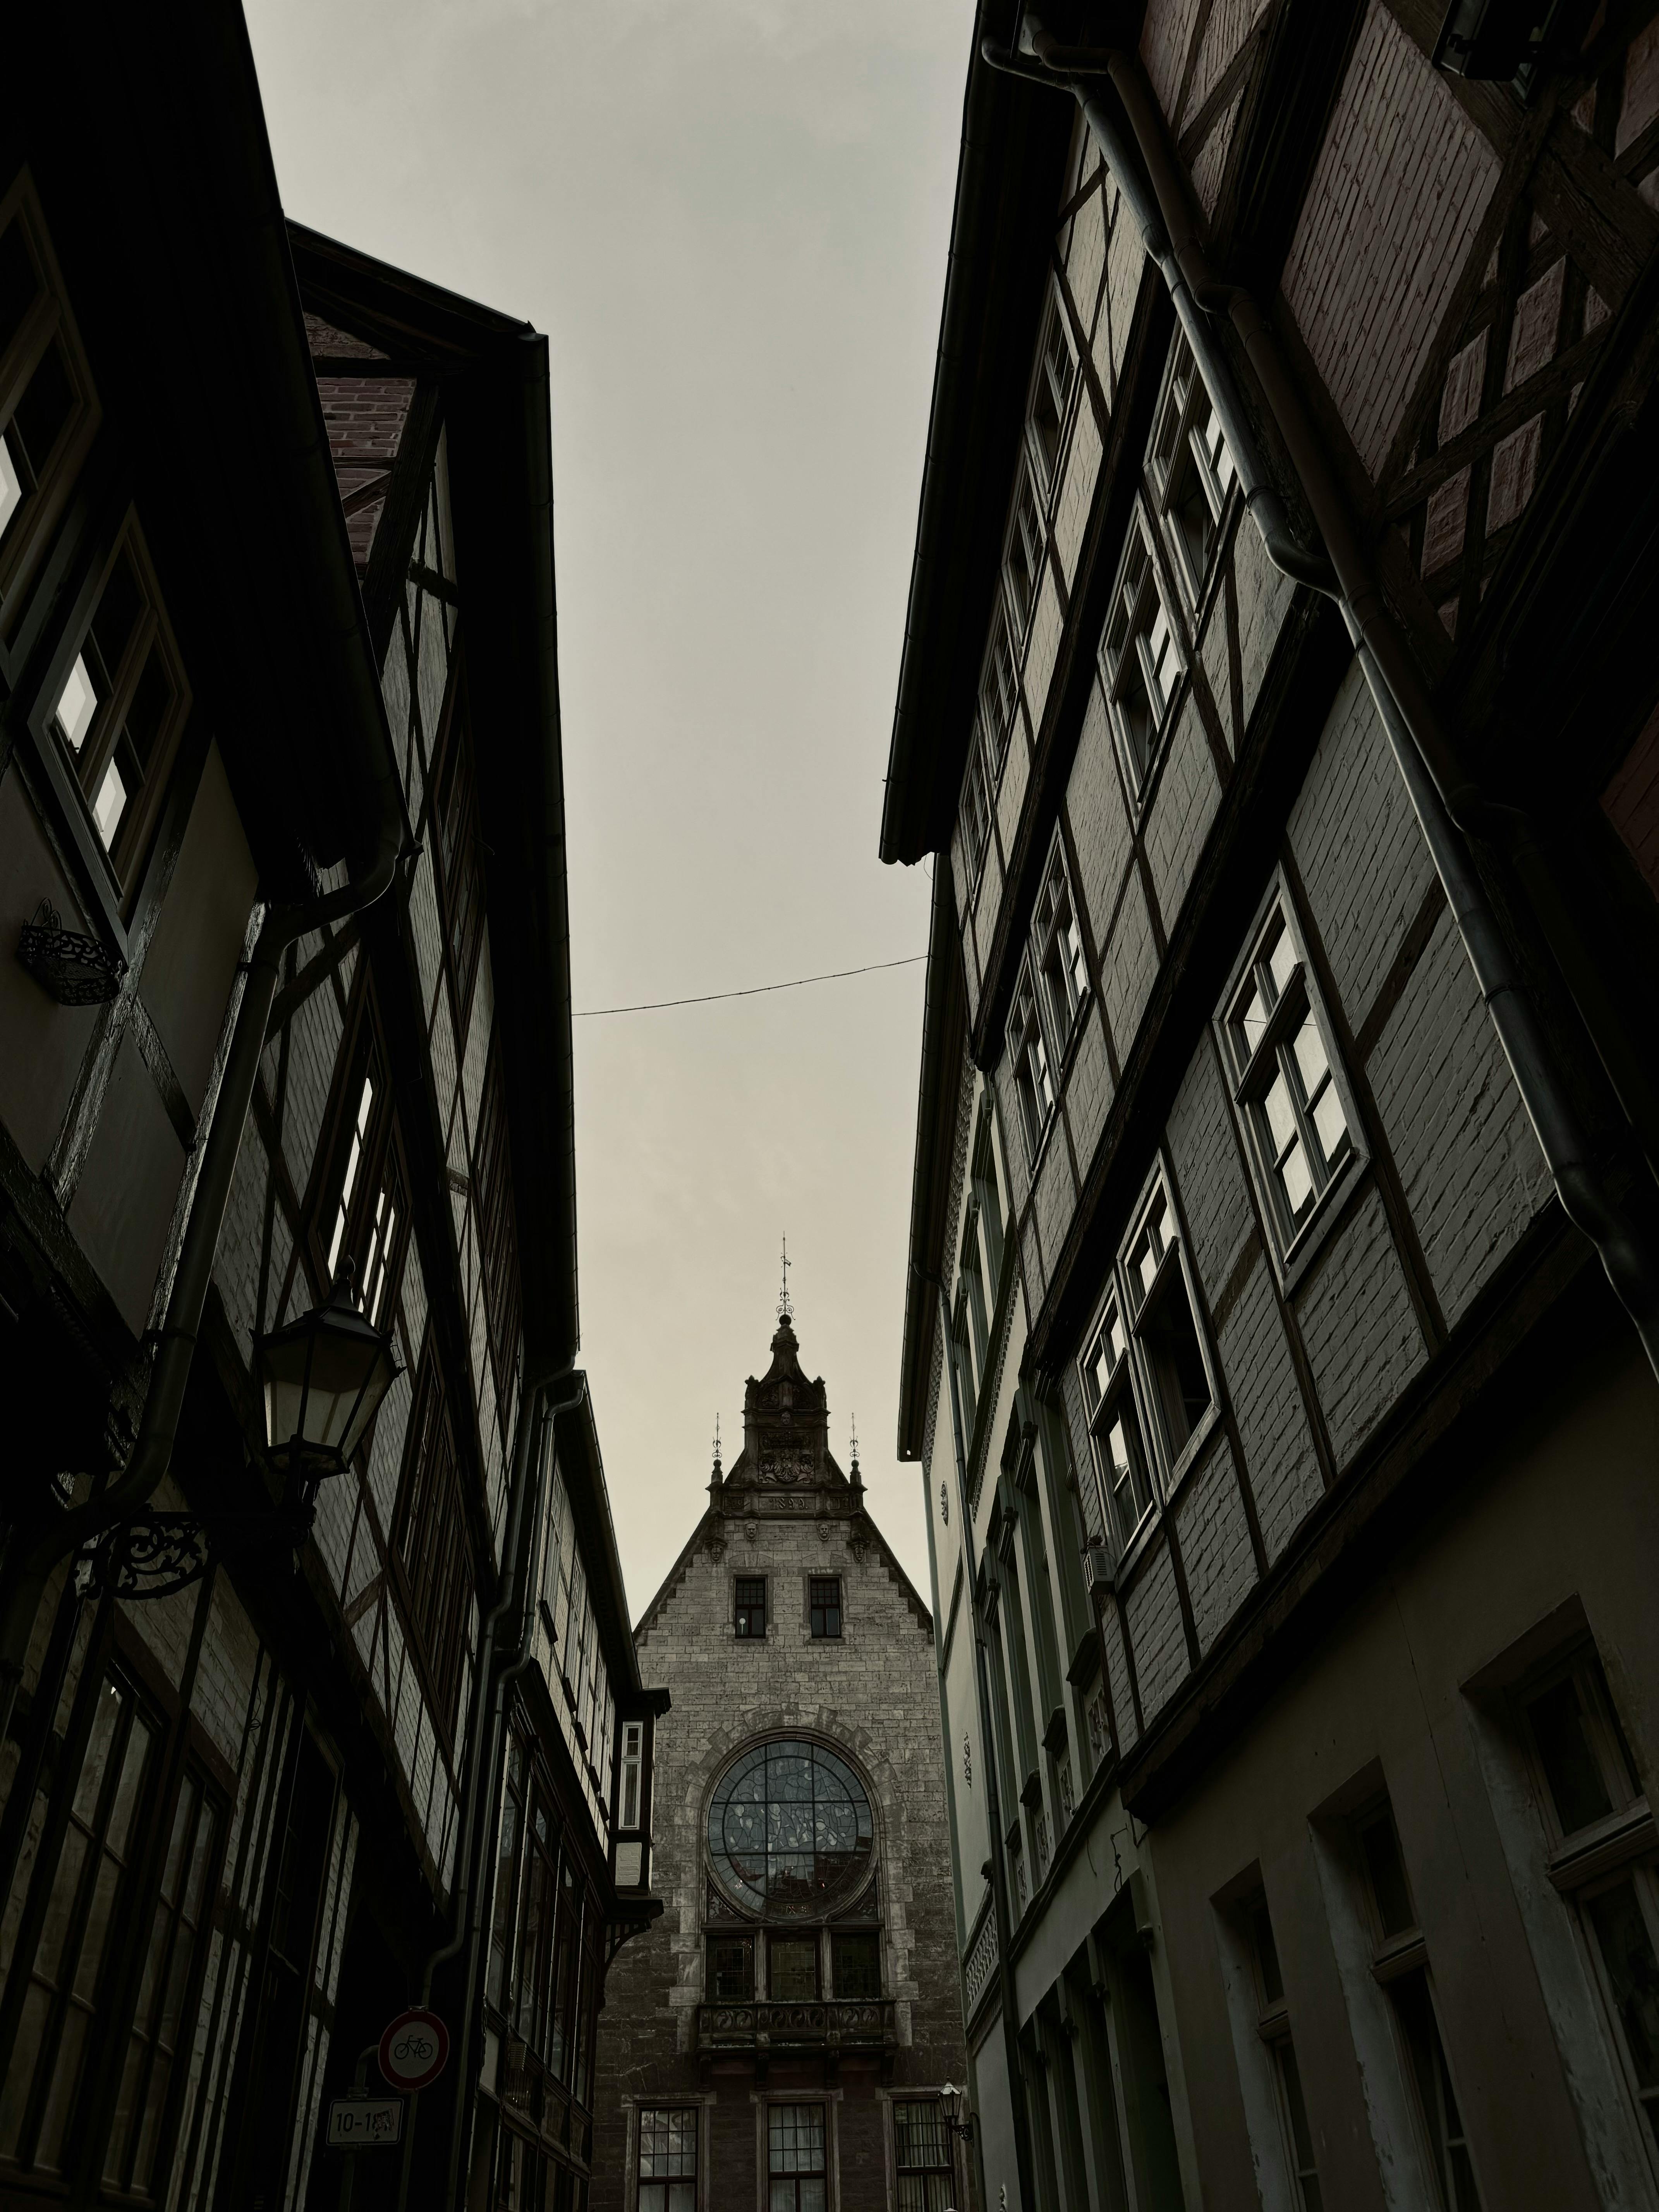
(1609, 1844)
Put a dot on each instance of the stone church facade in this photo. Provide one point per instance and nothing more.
(781, 2035)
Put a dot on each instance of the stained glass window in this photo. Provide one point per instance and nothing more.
(790, 1828)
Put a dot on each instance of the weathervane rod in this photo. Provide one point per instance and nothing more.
(785, 1304)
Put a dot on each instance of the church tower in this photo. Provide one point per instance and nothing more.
(782, 2035)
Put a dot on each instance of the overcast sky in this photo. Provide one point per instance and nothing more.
(730, 218)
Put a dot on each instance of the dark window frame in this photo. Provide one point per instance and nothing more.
(1190, 473)
(745, 1609)
(779, 2176)
(1400, 1965)
(1030, 1068)
(930, 2174)
(1130, 1360)
(823, 1608)
(428, 1545)
(46, 322)
(674, 2187)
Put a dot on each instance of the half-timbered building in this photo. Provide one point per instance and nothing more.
(1279, 705)
(291, 1743)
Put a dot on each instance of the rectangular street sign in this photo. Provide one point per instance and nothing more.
(365, 2123)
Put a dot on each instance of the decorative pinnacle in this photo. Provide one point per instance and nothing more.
(785, 1304)
(853, 1448)
(717, 1444)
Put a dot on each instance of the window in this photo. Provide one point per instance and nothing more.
(69, 1933)
(962, 1351)
(751, 1605)
(824, 1604)
(633, 1755)
(1400, 1963)
(976, 802)
(796, 2158)
(1057, 946)
(121, 705)
(53, 413)
(1146, 1381)
(428, 1537)
(166, 1999)
(987, 1199)
(1283, 1083)
(1121, 1462)
(1139, 662)
(1021, 562)
(791, 1968)
(1596, 1814)
(922, 2156)
(1028, 1057)
(856, 1965)
(731, 1969)
(999, 695)
(790, 1829)
(1051, 392)
(1273, 2026)
(366, 1218)
(492, 1187)
(455, 807)
(1192, 470)
(668, 2160)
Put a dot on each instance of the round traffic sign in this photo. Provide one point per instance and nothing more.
(414, 2049)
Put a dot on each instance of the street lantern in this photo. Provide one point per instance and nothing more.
(324, 1376)
(959, 2121)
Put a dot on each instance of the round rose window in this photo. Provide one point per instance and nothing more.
(789, 1829)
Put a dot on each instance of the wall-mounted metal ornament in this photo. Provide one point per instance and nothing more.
(159, 1554)
(76, 971)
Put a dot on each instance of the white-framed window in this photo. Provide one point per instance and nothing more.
(632, 1768)
(1054, 387)
(1140, 662)
(1287, 1085)
(1191, 469)
(1028, 1059)
(922, 2153)
(1057, 947)
(1022, 559)
(668, 2159)
(1273, 2026)
(1147, 1384)
(1400, 1965)
(1602, 1860)
(798, 2172)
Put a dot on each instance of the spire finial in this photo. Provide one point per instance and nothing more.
(853, 1447)
(785, 1304)
(717, 1444)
